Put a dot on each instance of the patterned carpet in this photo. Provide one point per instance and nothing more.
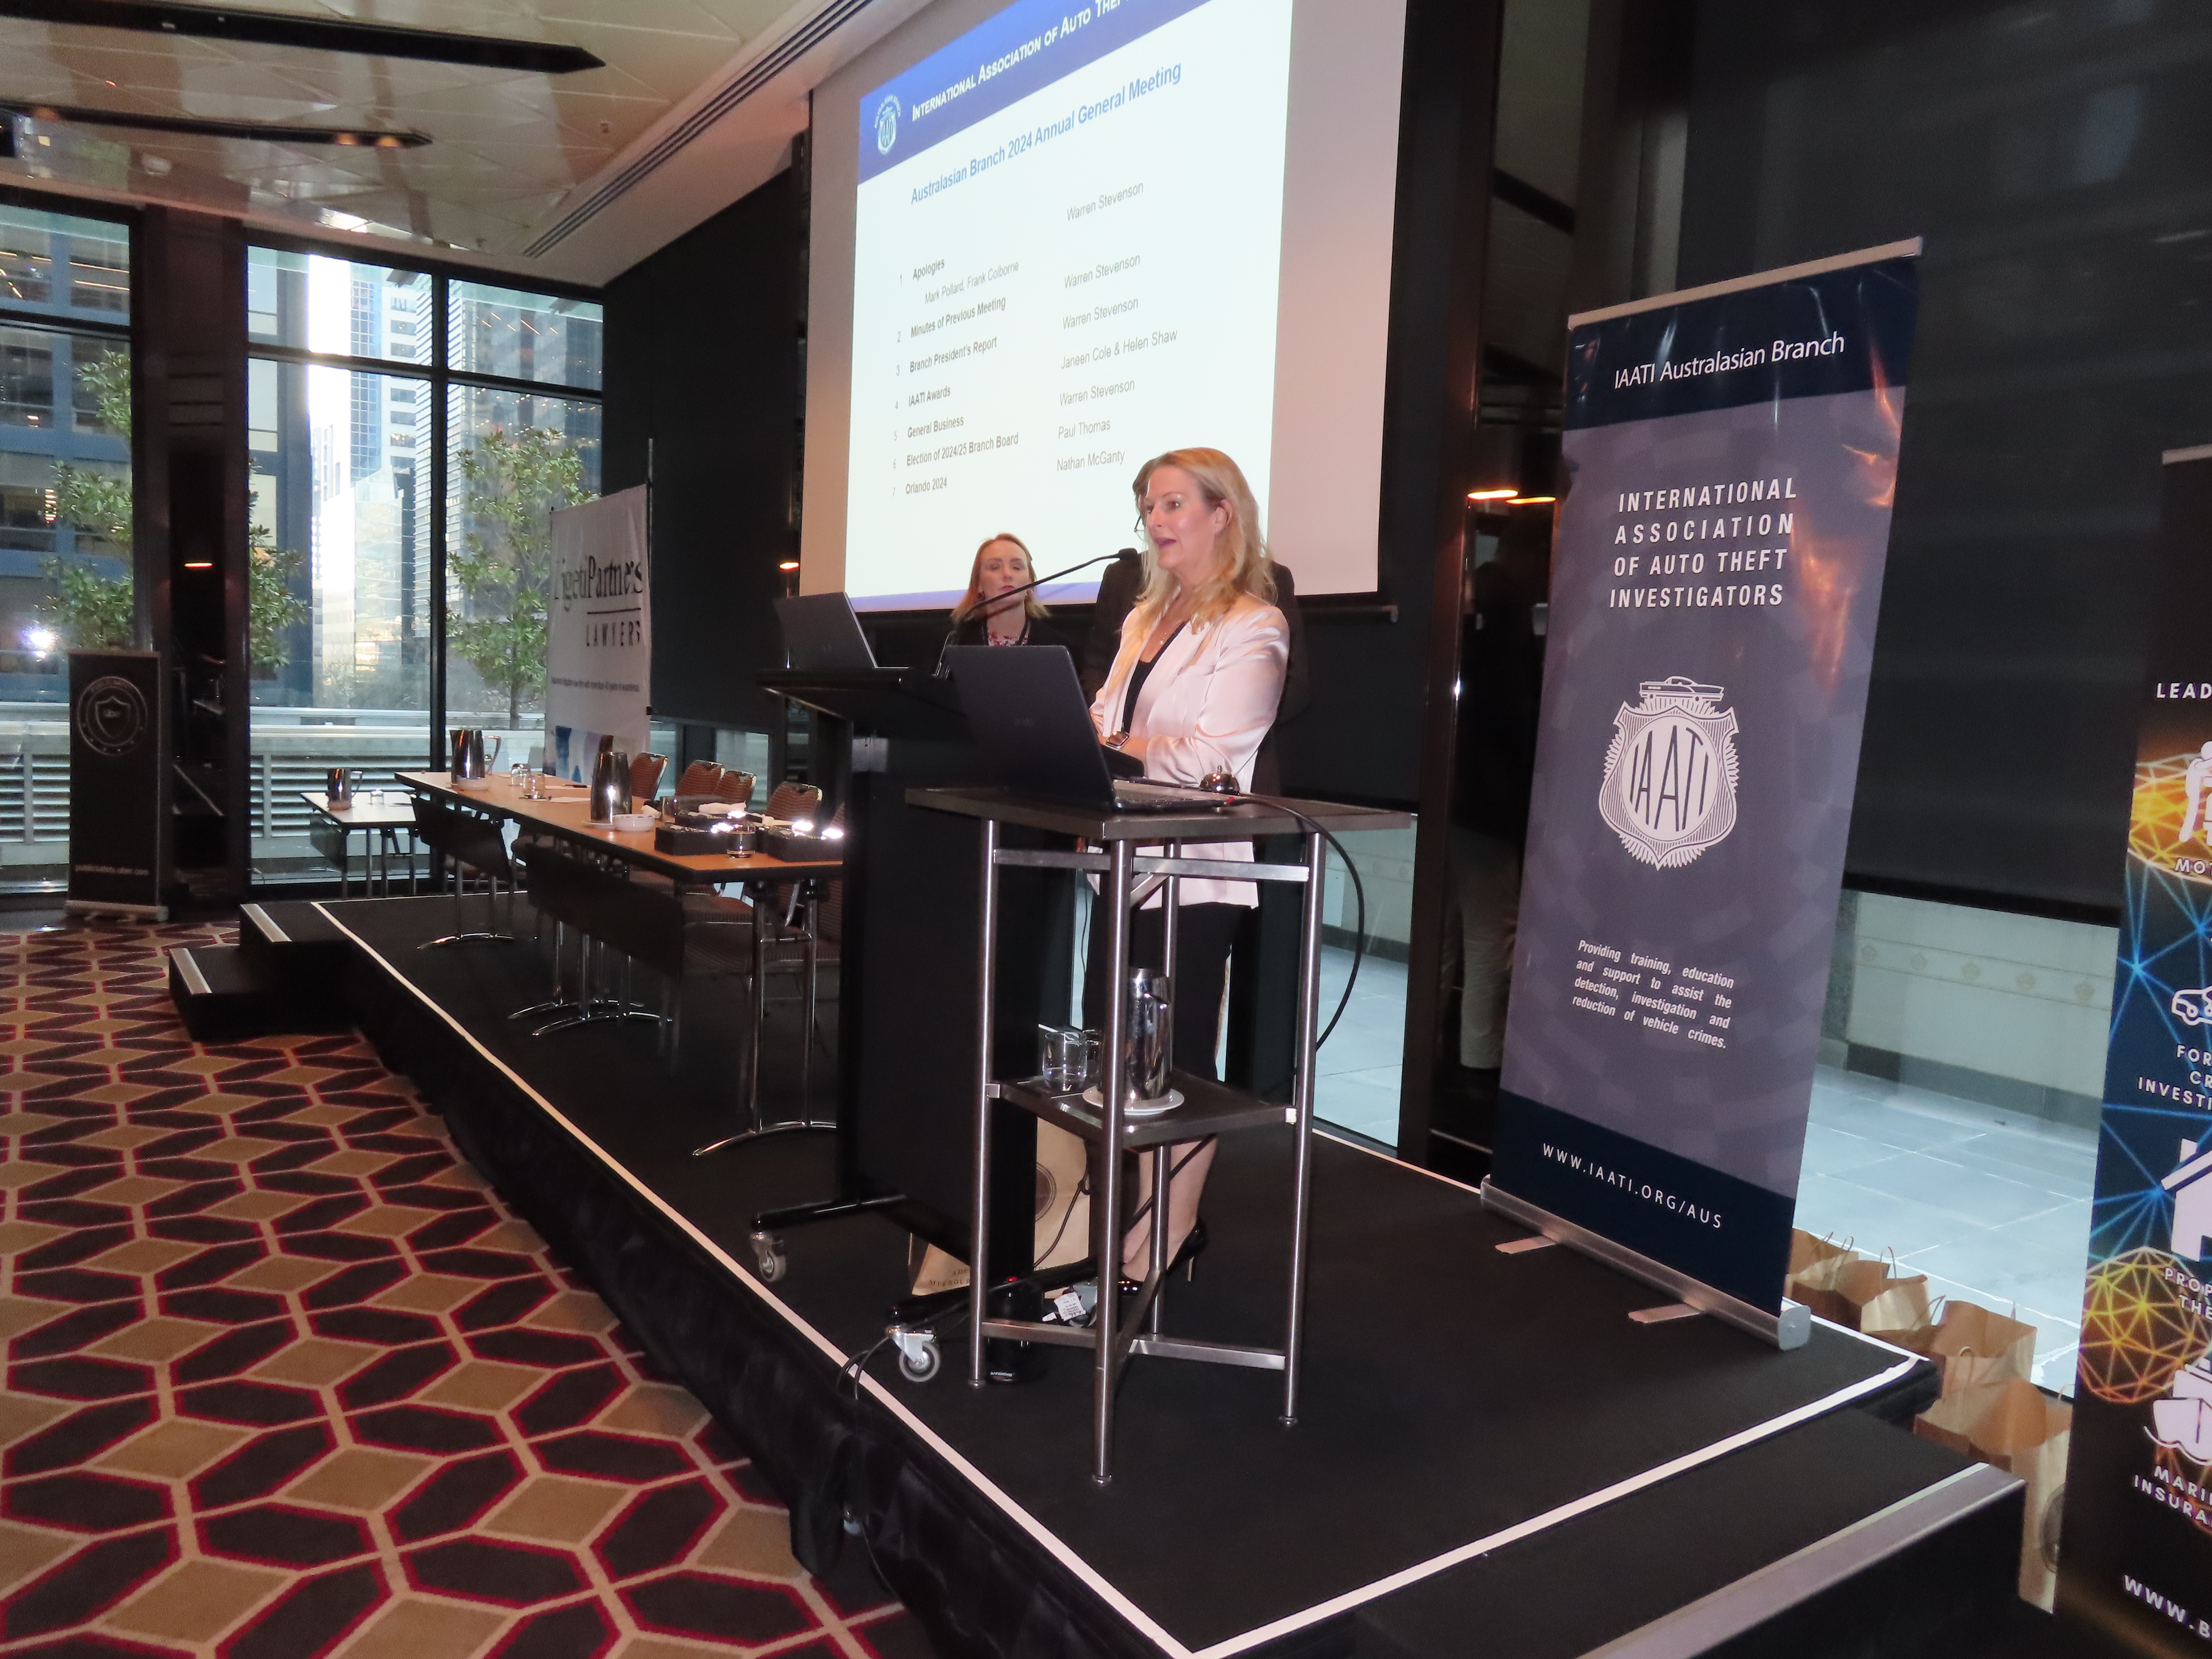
(285, 1379)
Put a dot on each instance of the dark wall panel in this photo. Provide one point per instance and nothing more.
(2054, 162)
(703, 364)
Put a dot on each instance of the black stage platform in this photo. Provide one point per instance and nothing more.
(1470, 1418)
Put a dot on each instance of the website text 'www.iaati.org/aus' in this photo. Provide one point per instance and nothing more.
(1673, 1203)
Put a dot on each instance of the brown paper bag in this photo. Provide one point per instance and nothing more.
(2016, 1427)
(1063, 1215)
(1806, 1252)
(1980, 1348)
(1814, 1265)
(1904, 1319)
(1897, 1300)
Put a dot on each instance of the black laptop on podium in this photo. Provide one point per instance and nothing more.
(821, 634)
(1027, 716)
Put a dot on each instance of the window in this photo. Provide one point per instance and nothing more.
(514, 459)
(65, 508)
(523, 337)
(356, 423)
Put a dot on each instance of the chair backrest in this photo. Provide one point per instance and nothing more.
(793, 800)
(645, 772)
(463, 837)
(699, 779)
(734, 786)
(642, 921)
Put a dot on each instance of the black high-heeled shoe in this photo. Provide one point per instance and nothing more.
(1193, 1246)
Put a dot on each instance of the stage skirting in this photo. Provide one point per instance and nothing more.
(1460, 1404)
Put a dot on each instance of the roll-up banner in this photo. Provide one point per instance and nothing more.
(2137, 1556)
(118, 764)
(599, 635)
(1733, 452)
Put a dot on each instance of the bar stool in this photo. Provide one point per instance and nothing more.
(802, 916)
(472, 843)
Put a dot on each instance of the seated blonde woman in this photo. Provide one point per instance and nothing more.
(990, 612)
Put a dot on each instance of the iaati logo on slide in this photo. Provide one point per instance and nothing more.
(1670, 773)
(886, 125)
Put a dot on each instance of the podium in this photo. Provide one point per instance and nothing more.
(907, 1033)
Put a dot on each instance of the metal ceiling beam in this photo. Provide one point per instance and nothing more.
(324, 34)
(274, 132)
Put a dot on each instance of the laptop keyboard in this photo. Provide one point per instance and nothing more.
(1158, 795)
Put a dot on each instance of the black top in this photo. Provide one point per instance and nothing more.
(1138, 676)
(969, 630)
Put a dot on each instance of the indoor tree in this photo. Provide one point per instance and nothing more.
(502, 572)
(86, 608)
(272, 609)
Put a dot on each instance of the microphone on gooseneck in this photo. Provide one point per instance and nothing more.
(1057, 575)
(1126, 552)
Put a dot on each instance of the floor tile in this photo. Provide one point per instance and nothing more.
(259, 1426)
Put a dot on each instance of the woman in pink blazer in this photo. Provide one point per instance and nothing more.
(1193, 690)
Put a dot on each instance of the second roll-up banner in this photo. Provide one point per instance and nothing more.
(1733, 451)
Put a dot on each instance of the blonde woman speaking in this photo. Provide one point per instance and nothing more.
(1193, 690)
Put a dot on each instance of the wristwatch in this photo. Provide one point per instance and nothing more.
(1116, 740)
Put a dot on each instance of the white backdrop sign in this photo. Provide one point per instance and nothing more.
(598, 644)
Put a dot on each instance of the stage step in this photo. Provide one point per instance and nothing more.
(291, 936)
(285, 973)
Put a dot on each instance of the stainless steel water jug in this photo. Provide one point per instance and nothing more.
(469, 759)
(610, 782)
(1147, 1037)
(340, 789)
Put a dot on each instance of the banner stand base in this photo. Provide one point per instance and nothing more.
(104, 907)
(1791, 1328)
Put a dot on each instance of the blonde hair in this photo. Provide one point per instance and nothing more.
(1241, 564)
(973, 598)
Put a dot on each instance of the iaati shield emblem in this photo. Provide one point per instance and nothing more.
(1669, 788)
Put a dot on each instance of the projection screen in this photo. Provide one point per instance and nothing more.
(1051, 241)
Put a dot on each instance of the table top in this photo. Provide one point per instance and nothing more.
(1208, 1108)
(569, 814)
(1244, 819)
(362, 814)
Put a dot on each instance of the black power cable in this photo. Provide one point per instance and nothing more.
(1359, 897)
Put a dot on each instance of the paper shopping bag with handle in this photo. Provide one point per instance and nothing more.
(1814, 1265)
(1888, 1300)
(1980, 1348)
(2016, 1427)
(1896, 1300)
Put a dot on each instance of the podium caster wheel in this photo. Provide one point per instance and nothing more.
(920, 1358)
(769, 1259)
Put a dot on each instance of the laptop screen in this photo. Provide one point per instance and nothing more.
(1027, 714)
(822, 634)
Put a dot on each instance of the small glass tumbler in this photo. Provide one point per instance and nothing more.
(1060, 1057)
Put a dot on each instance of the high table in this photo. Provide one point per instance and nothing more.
(381, 820)
(568, 814)
(1112, 841)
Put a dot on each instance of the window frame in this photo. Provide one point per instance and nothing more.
(438, 377)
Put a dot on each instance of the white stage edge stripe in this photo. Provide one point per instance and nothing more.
(1061, 1551)
(1553, 1517)
(195, 982)
(1730, 1610)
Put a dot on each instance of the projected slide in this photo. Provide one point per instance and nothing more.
(1068, 243)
